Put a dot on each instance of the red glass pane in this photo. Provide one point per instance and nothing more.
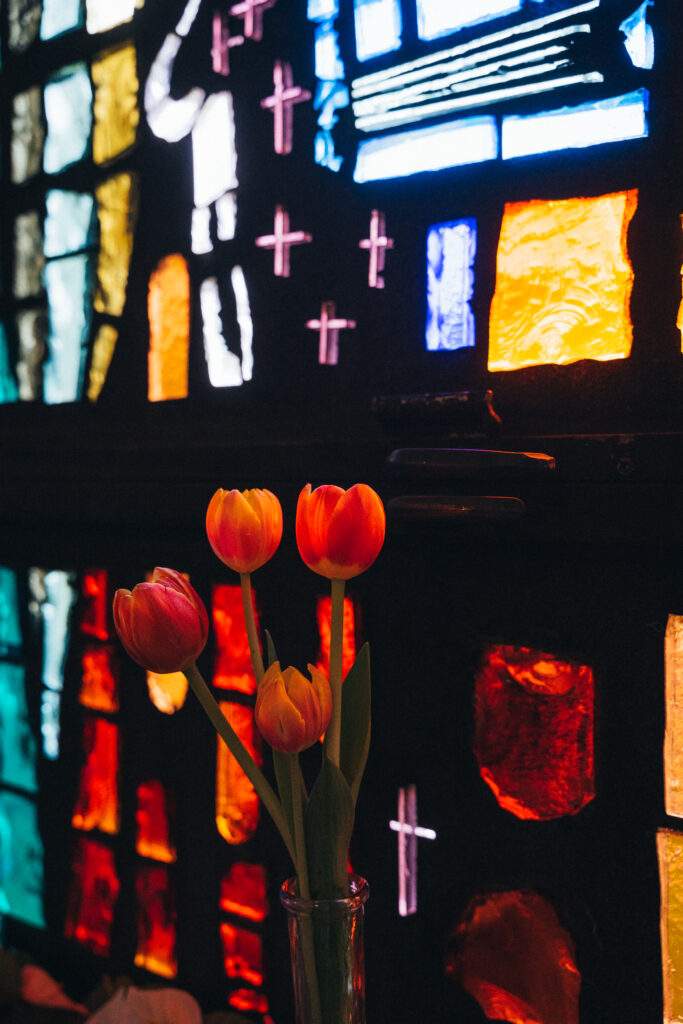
(153, 838)
(237, 804)
(92, 896)
(243, 891)
(249, 1001)
(94, 618)
(534, 732)
(97, 803)
(242, 954)
(324, 620)
(232, 667)
(98, 688)
(156, 921)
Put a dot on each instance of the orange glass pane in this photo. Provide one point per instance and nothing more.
(153, 838)
(512, 955)
(92, 897)
(237, 805)
(243, 891)
(99, 679)
(232, 668)
(242, 954)
(156, 921)
(324, 619)
(670, 855)
(167, 692)
(534, 732)
(95, 604)
(563, 282)
(249, 1001)
(97, 803)
(168, 308)
(673, 740)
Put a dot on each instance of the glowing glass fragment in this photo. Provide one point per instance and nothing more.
(28, 134)
(167, 692)
(69, 224)
(640, 39)
(451, 249)
(156, 921)
(242, 953)
(94, 618)
(60, 16)
(168, 308)
(10, 622)
(237, 805)
(17, 742)
(92, 896)
(467, 141)
(439, 17)
(379, 25)
(68, 283)
(328, 62)
(24, 21)
(50, 706)
(117, 207)
(224, 367)
(324, 621)
(32, 334)
(563, 282)
(153, 838)
(99, 680)
(318, 10)
(28, 255)
(243, 891)
(115, 108)
(670, 856)
(97, 801)
(232, 667)
(248, 1000)
(214, 172)
(101, 15)
(55, 610)
(68, 112)
(21, 860)
(673, 739)
(8, 385)
(102, 355)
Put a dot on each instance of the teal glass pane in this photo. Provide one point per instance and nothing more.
(24, 21)
(17, 742)
(68, 111)
(70, 222)
(8, 387)
(68, 283)
(21, 860)
(60, 16)
(56, 602)
(10, 623)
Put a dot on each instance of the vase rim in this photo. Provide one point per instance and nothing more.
(359, 892)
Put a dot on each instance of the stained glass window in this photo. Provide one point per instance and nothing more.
(21, 860)
(102, 355)
(10, 626)
(28, 134)
(97, 805)
(114, 76)
(237, 805)
(156, 921)
(68, 283)
(28, 255)
(17, 743)
(32, 334)
(105, 14)
(232, 667)
(117, 212)
(168, 308)
(60, 16)
(24, 22)
(378, 27)
(243, 891)
(167, 691)
(440, 17)
(92, 895)
(69, 224)
(153, 823)
(68, 112)
(451, 248)
(99, 687)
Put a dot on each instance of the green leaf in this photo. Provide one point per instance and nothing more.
(281, 764)
(329, 824)
(270, 649)
(355, 721)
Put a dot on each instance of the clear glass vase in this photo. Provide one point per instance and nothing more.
(328, 954)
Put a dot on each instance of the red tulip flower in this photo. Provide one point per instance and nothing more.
(162, 624)
(244, 527)
(339, 533)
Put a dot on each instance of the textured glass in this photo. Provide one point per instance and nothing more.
(153, 838)
(440, 17)
(21, 860)
(378, 27)
(451, 248)
(28, 134)
(58, 599)
(92, 896)
(60, 16)
(168, 307)
(24, 21)
(32, 333)
(105, 14)
(640, 39)
(17, 742)
(117, 212)
(232, 667)
(8, 385)
(97, 802)
(68, 284)
(167, 691)
(237, 805)
(69, 224)
(155, 921)
(470, 141)
(68, 112)
(318, 10)
(116, 110)
(102, 355)
(563, 282)
(670, 854)
(28, 255)
(95, 614)
(242, 954)
(50, 708)
(99, 683)
(243, 891)
(673, 740)
(10, 622)
(324, 621)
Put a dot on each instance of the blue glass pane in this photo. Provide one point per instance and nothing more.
(319, 10)
(60, 16)
(10, 623)
(328, 63)
(451, 248)
(70, 222)
(68, 112)
(469, 141)
(8, 385)
(17, 742)
(440, 17)
(378, 27)
(640, 39)
(590, 124)
(21, 860)
(55, 611)
(68, 283)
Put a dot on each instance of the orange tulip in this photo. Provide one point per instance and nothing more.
(339, 533)
(292, 712)
(162, 624)
(244, 527)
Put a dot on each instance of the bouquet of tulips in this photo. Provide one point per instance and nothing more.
(164, 625)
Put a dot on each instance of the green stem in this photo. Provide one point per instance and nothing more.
(252, 632)
(241, 755)
(333, 737)
(304, 891)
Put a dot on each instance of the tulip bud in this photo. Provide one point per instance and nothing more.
(244, 527)
(162, 624)
(292, 712)
(339, 533)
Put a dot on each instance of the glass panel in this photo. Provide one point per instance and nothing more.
(50, 706)
(237, 805)
(319, 10)
(670, 854)
(60, 16)
(28, 134)
(439, 17)
(24, 20)
(117, 116)
(97, 803)
(69, 288)
(17, 742)
(8, 385)
(94, 617)
(21, 860)
(156, 921)
(168, 307)
(451, 249)
(248, 1001)
(563, 282)
(32, 333)
(243, 891)
(242, 954)
(92, 896)
(117, 213)
(99, 686)
(69, 225)
(640, 39)
(68, 112)
(378, 27)
(152, 821)
(324, 620)
(55, 595)
(470, 141)
(28, 255)
(105, 14)
(10, 623)
(673, 740)
(102, 355)
(167, 692)
(232, 667)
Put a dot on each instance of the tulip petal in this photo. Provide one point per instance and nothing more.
(314, 510)
(356, 531)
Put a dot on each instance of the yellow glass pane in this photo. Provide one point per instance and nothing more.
(673, 739)
(115, 106)
(117, 208)
(168, 307)
(563, 282)
(670, 854)
(237, 803)
(102, 355)
(167, 692)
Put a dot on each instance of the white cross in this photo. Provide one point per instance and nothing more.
(285, 96)
(377, 245)
(251, 12)
(408, 834)
(282, 240)
(222, 43)
(329, 326)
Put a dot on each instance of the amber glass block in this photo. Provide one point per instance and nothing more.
(102, 355)
(115, 78)
(534, 731)
(99, 690)
(563, 282)
(153, 838)
(232, 667)
(92, 896)
(28, 134)
(117, 209)
(97, 803)
(670, 855)
(237, 805)
(248, 1001)
(242, 954)
(673, 739)
(324, 619)
(156, 921)
(95, 617)
(243, 891)
(512, 955)
(168, 307)
(167, 692)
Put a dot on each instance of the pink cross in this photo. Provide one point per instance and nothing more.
(408, 834)
(377, 245)
(223, 42)
(282, 240)
(285, 95)
(329, 326)
(251, 12)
